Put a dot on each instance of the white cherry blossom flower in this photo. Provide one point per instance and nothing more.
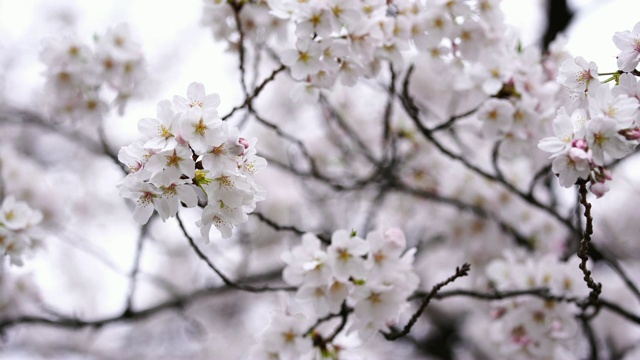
(376, 305)
(285, 336)
(629, 44)
(496, 116)
(197, 97)
(168, 166)
(303, 61)
(232, 189)
(180, 191)
(17, 215)
(222, 154)
(345, 255)
(623, 109)
(566, 128)
(200, 128)
(314, 20)
(306, 262)
(578, 75)
(223, 217)
(603, 137)
(570, 165)
(161, 132)
(146, 196)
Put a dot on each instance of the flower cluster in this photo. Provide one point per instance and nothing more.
(600, 121)
(529, 327)
(345, 40)
(255, 21)
(187, 152)
(373, 276)
(522, 97)
(16, 222)
(75, 73)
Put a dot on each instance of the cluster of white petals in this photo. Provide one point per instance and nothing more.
(188, 153)
(600, 122)
(76, 73)
(528, 327)
(346, 40)
(16, 225)
(256, 23)
(373, 276)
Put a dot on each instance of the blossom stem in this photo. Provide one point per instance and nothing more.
(596, 288)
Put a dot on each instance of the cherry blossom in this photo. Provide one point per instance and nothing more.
(628, 42)
(187, 148)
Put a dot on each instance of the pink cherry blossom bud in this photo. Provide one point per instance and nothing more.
(607, 174)
(579, 154)
(396, 237)
(181, 140)
(580, 144)
(243, 142)
(630, 134)
(498, 313)
(599, 189)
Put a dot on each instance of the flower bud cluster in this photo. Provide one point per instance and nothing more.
(16, 222)
(189, 151)
(600, 121)
(373, 276)
(75, 73)
(528, 327)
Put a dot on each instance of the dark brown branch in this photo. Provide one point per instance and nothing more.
(596, 288)
(351, 134)
(334, 184)
(460, 272)
(388, 110)
(177, 303)
(107, 150)
(324, 238)
(133, 282)
(541, 293)
(495, 155)
(476, 210)
(414, 113)
(545, 171)
(237, 7)
(303, 149)
(593, 343)
(249, 99)
(452, 120)
(225, 279)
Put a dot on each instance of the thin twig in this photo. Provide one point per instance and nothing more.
(248, 100)
(133, 277)
(177, 303)
(324, 238)
(237, 7)
(414, 113)
(303, 149)
(460, 272)
(225, 279)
